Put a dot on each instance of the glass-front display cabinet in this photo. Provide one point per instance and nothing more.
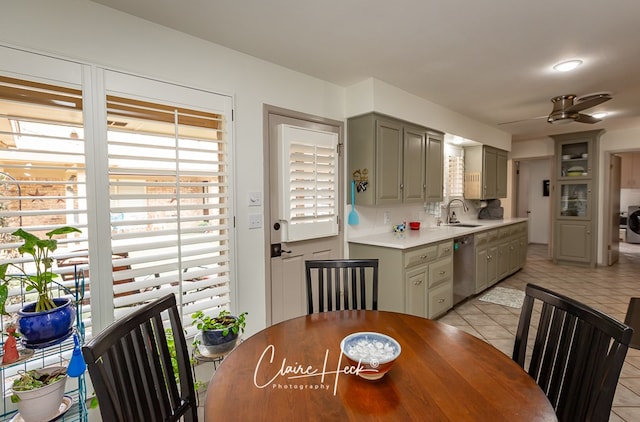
(575, 159)
(575, 200)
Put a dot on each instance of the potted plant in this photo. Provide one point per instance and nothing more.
(219, 334)
(39, 393)
(48, 319)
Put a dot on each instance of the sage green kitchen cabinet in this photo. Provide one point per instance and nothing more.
(485, 172)
(575, 209)
(518, 246)
(417, 281)
(503, 252)
(499, 253)
(401, 162)
(486, 252)
(435, 167)
(413, 165)
(388, 162)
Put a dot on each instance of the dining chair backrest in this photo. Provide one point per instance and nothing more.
(632, 319)
(577, 354)
(131, 370)
(337, 284)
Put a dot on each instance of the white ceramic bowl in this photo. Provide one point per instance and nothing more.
(375, 353)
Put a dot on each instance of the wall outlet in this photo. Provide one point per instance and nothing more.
(255, 221)
(386, 217)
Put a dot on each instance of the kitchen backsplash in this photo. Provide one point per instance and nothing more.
(372, 218)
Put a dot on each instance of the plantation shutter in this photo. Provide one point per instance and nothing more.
(455, 179)
(169, 198)
(42, 176)
(308, 183)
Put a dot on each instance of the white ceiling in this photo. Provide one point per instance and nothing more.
(488, 59)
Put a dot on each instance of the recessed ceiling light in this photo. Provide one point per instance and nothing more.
(567, 65)
(599, 115)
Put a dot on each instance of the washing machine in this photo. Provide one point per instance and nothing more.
(633, 224)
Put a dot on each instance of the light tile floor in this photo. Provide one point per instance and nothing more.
(607, 289)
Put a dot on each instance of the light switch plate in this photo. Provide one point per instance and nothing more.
(255, 199)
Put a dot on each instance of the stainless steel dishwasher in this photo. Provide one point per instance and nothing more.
(464, 268)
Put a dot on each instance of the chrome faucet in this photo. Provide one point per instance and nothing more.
(452, 219)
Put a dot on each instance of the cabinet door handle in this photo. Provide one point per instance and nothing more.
(447, 249)
(440, 300)
(442, 272)
(417, 283)
(423, 256)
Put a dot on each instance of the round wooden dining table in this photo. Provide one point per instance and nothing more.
(294, 370)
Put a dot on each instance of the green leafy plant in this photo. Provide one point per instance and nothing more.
(224, 321)
(40, 250)
(174, 359)
(33, 379)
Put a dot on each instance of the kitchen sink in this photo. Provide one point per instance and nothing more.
(463, 225)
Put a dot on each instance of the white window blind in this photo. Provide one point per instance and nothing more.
(42, 177)
(169, 203)
(308, 183)
(455, 176)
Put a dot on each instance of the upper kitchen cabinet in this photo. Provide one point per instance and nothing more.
(575, 217)
(630, 170)
(485, 172)
(393, 161)
(435, 167)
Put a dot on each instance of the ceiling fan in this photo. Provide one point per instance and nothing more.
(567, 108)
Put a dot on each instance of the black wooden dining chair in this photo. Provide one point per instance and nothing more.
(131, 369)
(336, 284)
(577, 357)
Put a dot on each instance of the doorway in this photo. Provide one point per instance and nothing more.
(285, 275)
(534, 197)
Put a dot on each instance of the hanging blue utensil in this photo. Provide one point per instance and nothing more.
(77, 366)
(353, 218)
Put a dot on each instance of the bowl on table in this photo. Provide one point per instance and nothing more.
(414, 225)
(374, 353)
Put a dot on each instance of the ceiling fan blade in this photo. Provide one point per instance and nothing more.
(522, 120)
(585, 118)
(589, 101)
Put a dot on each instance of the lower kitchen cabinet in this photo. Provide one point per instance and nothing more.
(574, 242)
(499, 253)
(417, 281)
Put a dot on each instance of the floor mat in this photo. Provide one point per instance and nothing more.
(504, 296)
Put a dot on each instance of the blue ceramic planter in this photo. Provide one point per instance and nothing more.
(44, 329)
(215, 337)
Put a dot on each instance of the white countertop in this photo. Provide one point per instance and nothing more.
(426, 235)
